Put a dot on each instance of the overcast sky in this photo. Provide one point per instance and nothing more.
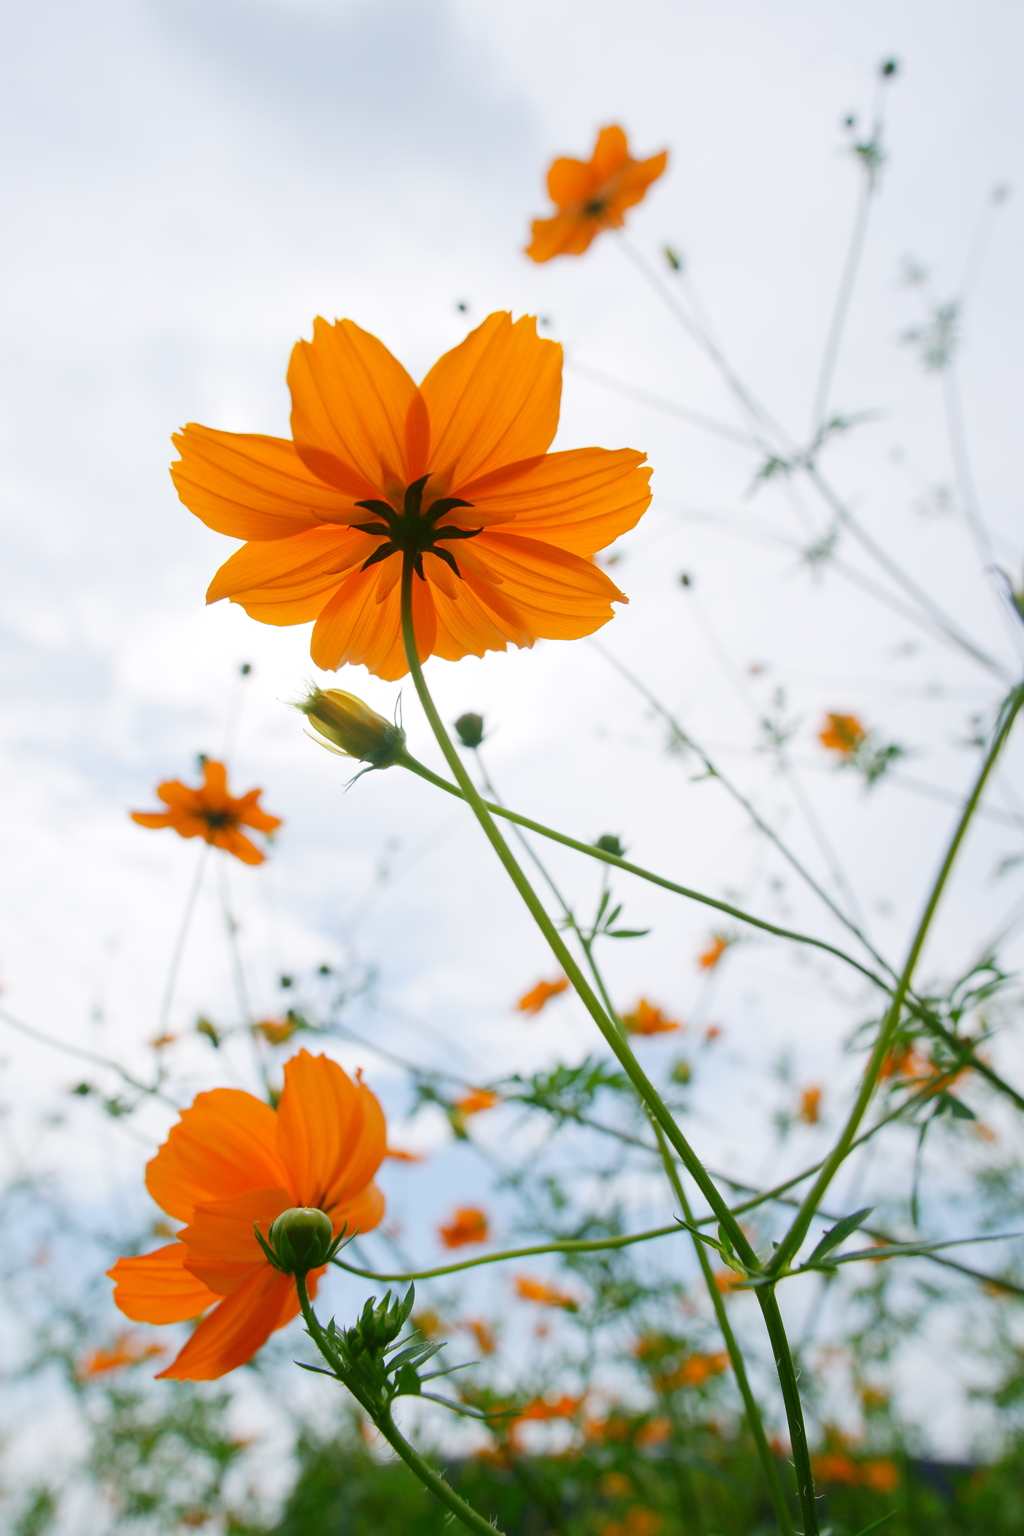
(187, 184)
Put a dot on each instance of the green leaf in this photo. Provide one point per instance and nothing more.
(876, 1524)
(626, 933)
(835, 1235)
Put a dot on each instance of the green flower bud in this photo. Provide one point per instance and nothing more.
(353, 728)
(609, 843)
(301, 1239)
(470, 729)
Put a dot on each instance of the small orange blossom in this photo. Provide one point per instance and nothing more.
(810, 1106)
(646, 1019)
(211, 813)
(453, 475)
(477, 1100)
(534, 1000)
(546, 1295)
(126, 1349)
(842, 734)
(716, 948)
(232, 1161)
(468, 1225)
(592, 195)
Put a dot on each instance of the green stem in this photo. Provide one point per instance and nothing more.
(569, 1245)
(600, 854)
(790, 1244)
(383, 1421)
(794, 1410)
(755, 1424)
(645, 1089)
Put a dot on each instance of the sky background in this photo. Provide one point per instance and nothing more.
(186, 186)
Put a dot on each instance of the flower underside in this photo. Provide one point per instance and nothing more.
(413, 531)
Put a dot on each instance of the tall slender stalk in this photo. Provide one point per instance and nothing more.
(647, 1093)
(790, 1244)
(383, 1421)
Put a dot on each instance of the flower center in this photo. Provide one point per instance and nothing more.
(595, 207)
(413, 530)
(217, 819)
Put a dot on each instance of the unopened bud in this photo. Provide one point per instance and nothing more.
(609, 843)
(470, 729)
(353, 728)
(301, 1239)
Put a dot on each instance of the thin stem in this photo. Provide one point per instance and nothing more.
(569, 1245)
(383, 1421)
(715, 773)
(593, 852)
(755, 1423)
(179, 943)
(790, 1244)
(645, 1089)
(842, 305)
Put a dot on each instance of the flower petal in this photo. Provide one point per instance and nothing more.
(331, 1133)
(570, 181)
(154, 818)
(220, 1244)
(157, 1288)
(551, 593)
(224, 1144)
(350, 404)
(568, 233)
(236, 1329)
(581, 500)
(492, 400)
(249, 486)
(215, 785)
(359, 1215)
(309, 562)
(233, 841)
(610, 152)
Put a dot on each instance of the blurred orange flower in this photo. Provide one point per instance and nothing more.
(232, 1161)
(646, 1019)
(468, 1225)
(882, 1475)
(483, 1333)
(211, 813)
(709, 957)
(453, 474)
(696, 1370)
(655, 1432)
(126, 1349)
(842, 734)
(726, 1280)
(400, 1156)
(810, 1106)
(275, 1031)
(835, 1467)
(592, 195)
(546, 1295)
(534, 1000)
(477, 1099)
(639, 1521)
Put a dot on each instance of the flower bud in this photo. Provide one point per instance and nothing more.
(353, 728)
(301, 1239)
(470, 730)
(609, 843)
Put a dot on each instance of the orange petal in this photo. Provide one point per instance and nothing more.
(570, 181)
(581, 500)
(223, 1145)
(494, 399)
(553, 594)
(362, 1214)
(235, 842)
(236, 1329)
(350, 404)
(566, 234)
(330, 1132)
(220, 1243)
(153, 818)
(610, 152)
(310, 561)
(354, 628)
(252, 815)
(248, 486)
(157, 1288)
(215, 785)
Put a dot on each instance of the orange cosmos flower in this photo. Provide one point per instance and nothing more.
(211, 813)
(646, 1019)
(810, 1106)
(232, 1161)
(592, 195)
(476, 1100)
(534, 1000)
(126, 1349)
(275, 1031)
(455, 475)
(468, 1225)
(546, 1295)
(696, 1370)
(709, 957)
(842, 734)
